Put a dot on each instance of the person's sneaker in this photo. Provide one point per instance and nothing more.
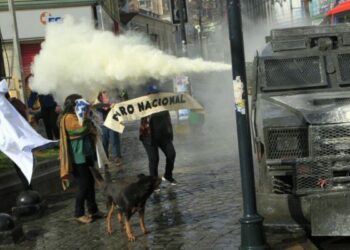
(172, 181)
(84, 219)
(157, 190)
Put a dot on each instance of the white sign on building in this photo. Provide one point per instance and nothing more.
(31, 23)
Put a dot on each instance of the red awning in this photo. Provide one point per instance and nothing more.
(344, 6)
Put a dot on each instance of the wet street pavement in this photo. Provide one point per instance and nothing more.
(201, 212)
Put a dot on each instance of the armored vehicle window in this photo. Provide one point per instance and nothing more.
(293, 73)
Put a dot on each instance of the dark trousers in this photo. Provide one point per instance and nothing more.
(86, 189)
(153, 157)
(50, 116)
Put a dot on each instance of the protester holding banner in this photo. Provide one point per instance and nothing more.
(77, 154)
(156, 132)
(109, 136)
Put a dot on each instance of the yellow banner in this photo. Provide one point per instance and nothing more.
(143, 106)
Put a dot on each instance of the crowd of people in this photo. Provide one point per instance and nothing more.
(72, 125)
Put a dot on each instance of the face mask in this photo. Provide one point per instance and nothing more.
(81, 107)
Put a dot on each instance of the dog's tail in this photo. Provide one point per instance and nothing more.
(98, 177)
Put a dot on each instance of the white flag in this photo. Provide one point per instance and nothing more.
(17, 137)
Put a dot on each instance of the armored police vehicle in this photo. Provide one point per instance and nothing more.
(300, 114)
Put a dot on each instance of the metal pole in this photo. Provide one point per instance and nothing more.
(252, 234)
(291, 10)
(182, 28)
(2, 64)
(17, 52)
(200, 10)
(307, 11)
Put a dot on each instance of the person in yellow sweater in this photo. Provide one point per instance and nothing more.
(77, 154)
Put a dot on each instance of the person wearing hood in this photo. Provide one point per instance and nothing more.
(77, 154)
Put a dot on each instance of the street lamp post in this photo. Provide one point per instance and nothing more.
(2, 65)
(17, 52)
(200, 30)
(252, 234)
(29, 202)
(183, 28)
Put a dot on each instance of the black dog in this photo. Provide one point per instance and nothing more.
(128, 196)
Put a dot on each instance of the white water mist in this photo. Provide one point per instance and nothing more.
(76, 58)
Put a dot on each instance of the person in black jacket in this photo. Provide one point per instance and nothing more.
(49, 110)
(49, 113)
(156, 132)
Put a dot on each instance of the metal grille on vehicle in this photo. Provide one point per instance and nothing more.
(328, 166)
(344, 65)
(285, 143)
(311, 173)
(342, 101)
(322, 173)
(296, 72)
(330, 139)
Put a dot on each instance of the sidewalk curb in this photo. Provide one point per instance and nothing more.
(45, 180)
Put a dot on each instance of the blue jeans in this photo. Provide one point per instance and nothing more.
(110, 136)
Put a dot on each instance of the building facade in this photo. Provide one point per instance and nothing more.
(162, 33)
(32, 17)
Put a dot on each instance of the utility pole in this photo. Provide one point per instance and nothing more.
(17, 54)
(252, 234)
(2, 65)
(183, 28)
(200, 24)
(307, 11)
